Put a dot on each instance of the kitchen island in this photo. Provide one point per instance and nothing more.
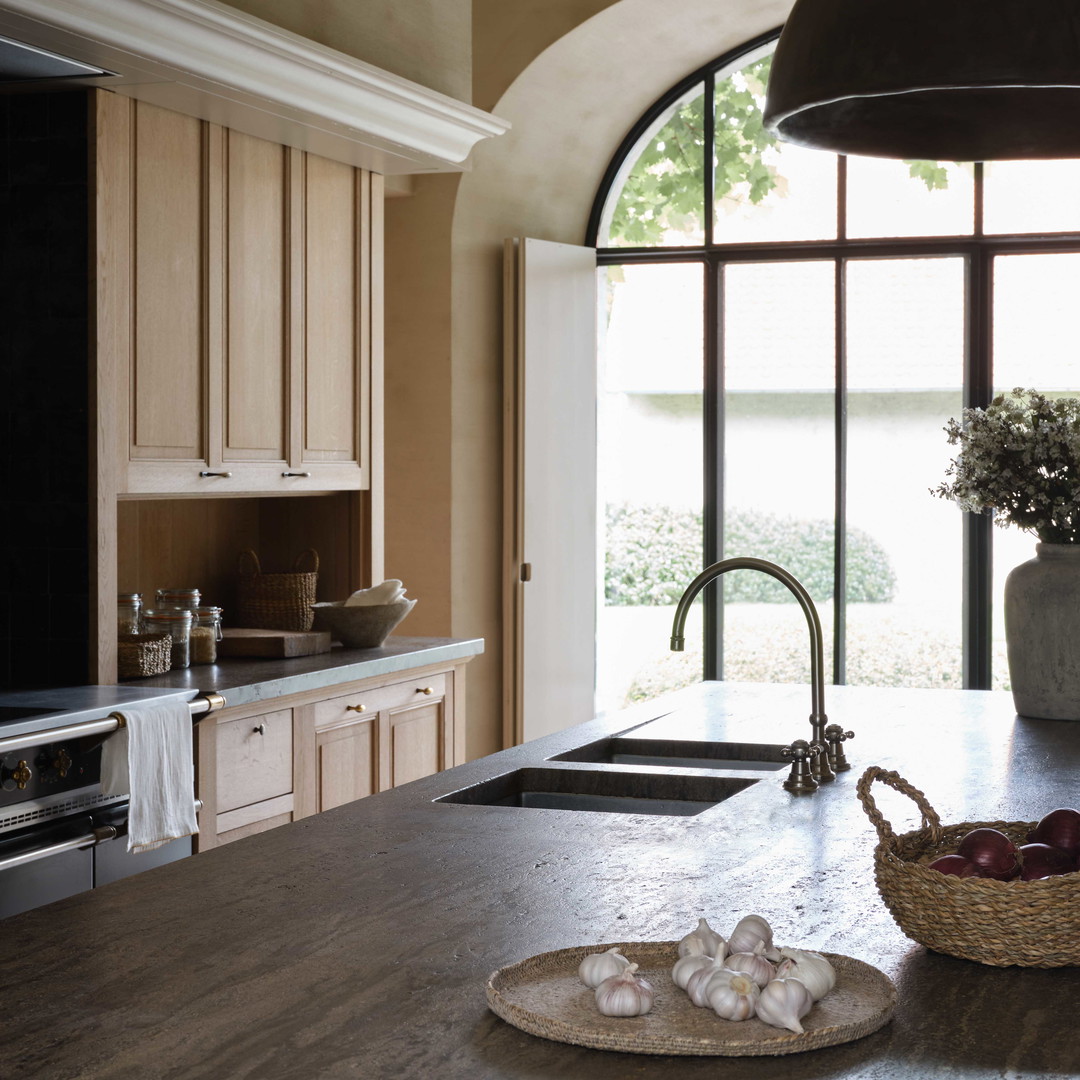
(357, 943)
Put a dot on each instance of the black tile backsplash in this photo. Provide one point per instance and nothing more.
(44, 435)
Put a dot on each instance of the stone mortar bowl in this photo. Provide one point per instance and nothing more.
(363, 626)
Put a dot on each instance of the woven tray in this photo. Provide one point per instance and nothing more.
(543, 996)
(1000, 923)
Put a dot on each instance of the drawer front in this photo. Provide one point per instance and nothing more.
(254, 759)
(396, 695)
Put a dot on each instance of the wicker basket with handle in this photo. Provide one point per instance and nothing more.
(1002, 923)
(276, 601)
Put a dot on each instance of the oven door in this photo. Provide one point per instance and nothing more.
(30, 884)
(113, 861)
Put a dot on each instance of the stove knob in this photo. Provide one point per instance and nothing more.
(22, 775)
(62, 762)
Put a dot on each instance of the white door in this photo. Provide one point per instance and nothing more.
(550, 548)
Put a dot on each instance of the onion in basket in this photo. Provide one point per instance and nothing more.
(993, 851)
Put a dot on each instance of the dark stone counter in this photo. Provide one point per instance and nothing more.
(357, 943)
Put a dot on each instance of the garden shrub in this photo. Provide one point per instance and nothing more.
(653, 552)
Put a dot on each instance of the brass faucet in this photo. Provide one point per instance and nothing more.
(817, 750)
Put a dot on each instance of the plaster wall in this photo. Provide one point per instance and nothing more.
(427, 41)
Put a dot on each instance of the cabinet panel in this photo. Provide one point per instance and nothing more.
(254, 759)
(418, 741)
(169, 352)
(347, 763)
(256, 353)
(331, 391)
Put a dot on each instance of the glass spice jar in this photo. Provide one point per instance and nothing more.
(205, 634)
(176, 622)
(178, 598)
(128, 613)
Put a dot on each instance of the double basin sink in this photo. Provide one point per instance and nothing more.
(632, 774)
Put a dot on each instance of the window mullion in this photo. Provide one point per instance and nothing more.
(713, 502)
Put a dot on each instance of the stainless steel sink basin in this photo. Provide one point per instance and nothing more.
(676, 754)
(611, 792)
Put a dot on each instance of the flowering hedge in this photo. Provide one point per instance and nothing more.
(653, 552)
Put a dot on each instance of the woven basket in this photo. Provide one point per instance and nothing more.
(143, 654)
(1001, 923)
(275, 601)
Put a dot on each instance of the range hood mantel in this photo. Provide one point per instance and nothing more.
(208, 60)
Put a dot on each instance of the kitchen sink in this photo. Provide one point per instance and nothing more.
(611, 792)
(673, 753)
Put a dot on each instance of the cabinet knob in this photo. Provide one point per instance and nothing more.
(259, 730)
(355, 708)
(424, 690)
(207, 473)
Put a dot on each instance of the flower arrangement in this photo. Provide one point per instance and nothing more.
(1020, 458)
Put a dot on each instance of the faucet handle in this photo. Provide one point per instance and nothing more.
(800, 780)
(835, 736)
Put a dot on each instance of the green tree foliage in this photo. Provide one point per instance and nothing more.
(665, 191)
(653, 552)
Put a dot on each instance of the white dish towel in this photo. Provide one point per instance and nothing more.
(389, 592)
(150, 758)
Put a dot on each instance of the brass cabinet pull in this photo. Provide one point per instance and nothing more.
(355, 708)
(424, 690)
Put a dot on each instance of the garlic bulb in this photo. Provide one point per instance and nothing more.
(753, 934)
(810, 968)
(712, 944)
(624, 994)
(783, 1003)
(754, 964)
(596, 967)
(697, 984)
(685, 966)
(732, 995)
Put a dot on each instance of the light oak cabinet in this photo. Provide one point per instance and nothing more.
(310, 752)
(251, 275)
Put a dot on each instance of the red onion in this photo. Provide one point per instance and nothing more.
(1043, 860)
(957, 865)
(993, 851)
(1061, 829)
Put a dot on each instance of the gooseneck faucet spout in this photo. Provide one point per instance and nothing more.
(820, 768)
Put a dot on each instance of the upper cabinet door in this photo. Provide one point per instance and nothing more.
(169, 348)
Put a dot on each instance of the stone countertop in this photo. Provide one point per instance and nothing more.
(245, 681)
(357, 943)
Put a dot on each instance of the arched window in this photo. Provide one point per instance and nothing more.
(784, 334)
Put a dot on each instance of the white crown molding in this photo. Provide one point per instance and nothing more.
(212, 61)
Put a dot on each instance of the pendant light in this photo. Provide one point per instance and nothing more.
(943, 80)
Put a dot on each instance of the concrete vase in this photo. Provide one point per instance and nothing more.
(1042, 633)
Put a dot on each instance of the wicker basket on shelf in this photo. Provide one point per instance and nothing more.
(276, 601)
(143, 654)
(1001, 923)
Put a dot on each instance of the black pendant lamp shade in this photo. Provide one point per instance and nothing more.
(943, 80)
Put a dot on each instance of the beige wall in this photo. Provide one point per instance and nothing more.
(427, 41)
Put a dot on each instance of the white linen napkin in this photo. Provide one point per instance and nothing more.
(389, 592)
(151, 759)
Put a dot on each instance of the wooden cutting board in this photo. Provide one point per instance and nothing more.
(237, 641)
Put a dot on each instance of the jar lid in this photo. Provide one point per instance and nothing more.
(210, 610)
(128, 597)
(181, 614)
(179, 592)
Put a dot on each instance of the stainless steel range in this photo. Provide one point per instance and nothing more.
(59, 834)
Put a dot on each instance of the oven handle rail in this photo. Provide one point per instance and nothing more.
(200, 706)
(87, 840)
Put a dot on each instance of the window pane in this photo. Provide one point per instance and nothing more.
(779, 462)
(1036, 335)
(766, 190)
(650, 453)
(900, 198)
(1031, 196)
(905, 365)
(662, 200)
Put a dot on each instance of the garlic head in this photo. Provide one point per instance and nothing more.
(624, 994)
(685, 966)
(810, 968)
(698, 983)
(596, 967)
(753, 964)
(704, 938)
(783, 1003)
(753, 934)
(732, 995)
